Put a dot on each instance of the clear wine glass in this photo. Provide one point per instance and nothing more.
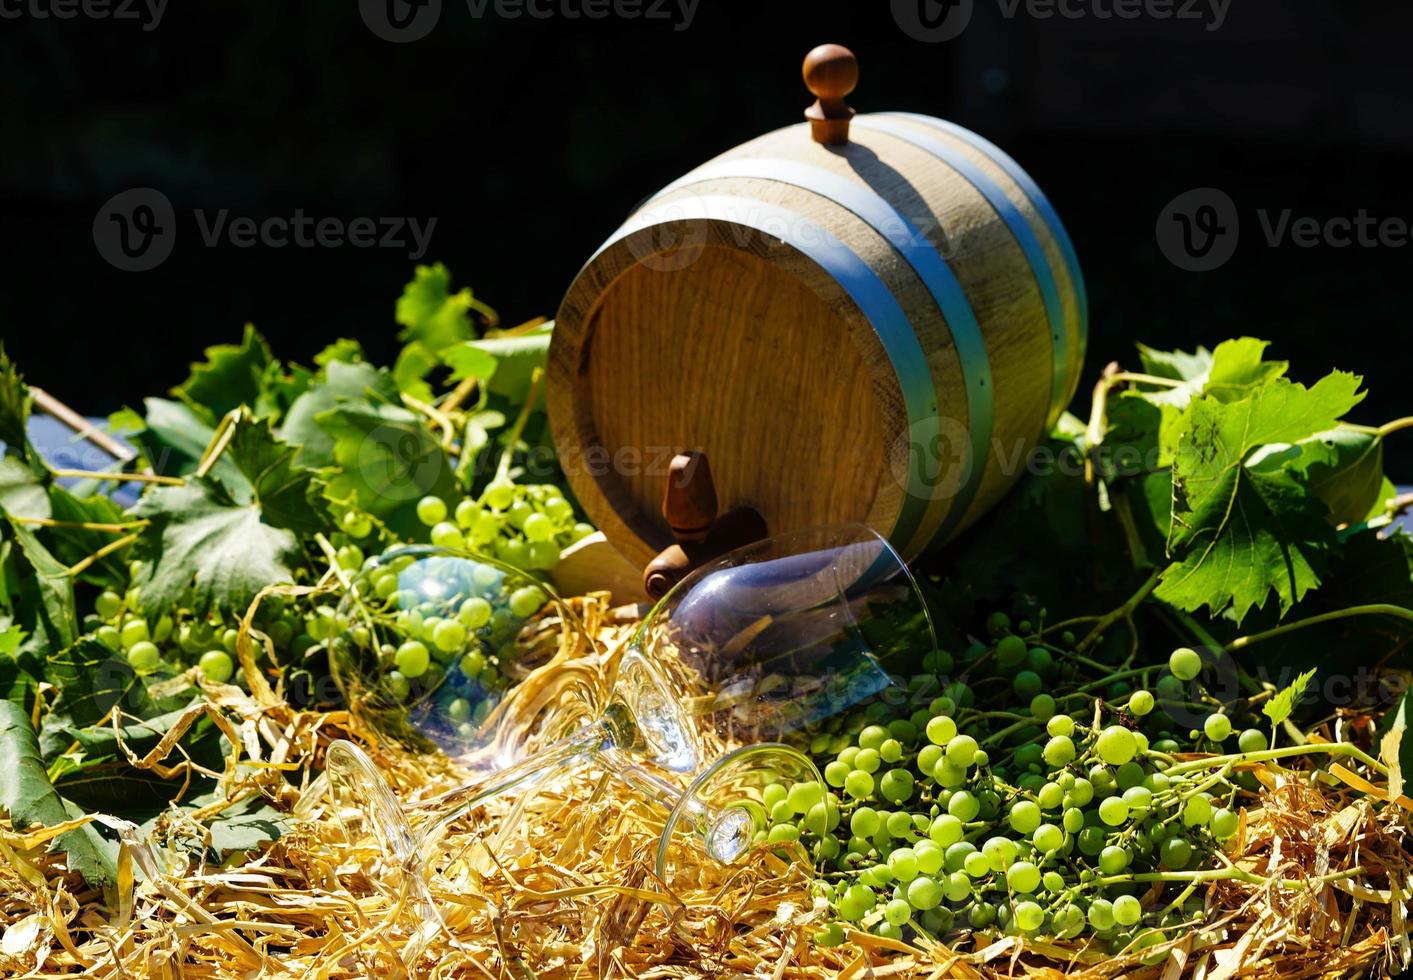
(712, 700)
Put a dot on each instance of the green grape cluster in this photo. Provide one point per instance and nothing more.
(522, 525)
(1050, 817)
(180, 638)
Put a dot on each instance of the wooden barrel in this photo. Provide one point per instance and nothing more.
(874, 331)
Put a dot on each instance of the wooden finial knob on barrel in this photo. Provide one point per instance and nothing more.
(831, 73)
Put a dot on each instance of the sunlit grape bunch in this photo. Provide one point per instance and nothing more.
(1051, 817)
(523, 525)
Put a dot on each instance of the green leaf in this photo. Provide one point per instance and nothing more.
(387, 461)
(1239, 533)
(410, 371)
(102, 779)
(343, 350)
(469, 360)
(27, 796)
(1345, 468)
(14, 409)
(1177, 365)
(71, 545)
(344, 383)
(22, 492)
(517, 356)
(92, 680)
(46, 591)
(248, 830)
(232, 375)
(430, 313)
(287, 495)
(210, 547)
(1280, 706)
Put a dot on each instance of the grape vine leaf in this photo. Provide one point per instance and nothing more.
(387, 461)
(232, 375)
(28, 797)
(1238, 533)
(517, 356)
(430, 313)
(1280, 706)
(46, 592)
(22, 491)
(352, 383)
(14, 409)
(220, 545)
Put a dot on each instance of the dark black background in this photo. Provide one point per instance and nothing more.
(530, 139)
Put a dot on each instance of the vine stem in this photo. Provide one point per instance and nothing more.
(1124, 612)
(102, 553)
(1229, 874)
(1372, 609)
(1389, 428)
(1289, 751)
(166, 481)
(521, 420)
(83, 525)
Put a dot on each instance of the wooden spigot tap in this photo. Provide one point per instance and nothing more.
(831, 73)
(690, 508)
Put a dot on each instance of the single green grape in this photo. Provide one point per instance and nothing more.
(1024, 817)
(1141, 702)
(431, 510)
(1113, 859)
(474, 613)
(448, 535)
(1059, 751)
(941, 730)
(1251, 740)
(1175, 853)
(449, 635)
(412, 659)
(467, 510)
(1116, 745)
(1113, 811)
(499, 493)
(1127, 910)
(1217, 727)
(924, 892)
(1060, 725)
(1023, 877)
(108, 605)
(859, 785)
(1223, 824)
(1185, 663)
(526, 601)
(1048, 837)
(144, 657)
(217, 666)
(133, 631)
(1029, 916)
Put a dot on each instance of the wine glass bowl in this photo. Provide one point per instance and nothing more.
(434, 642)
